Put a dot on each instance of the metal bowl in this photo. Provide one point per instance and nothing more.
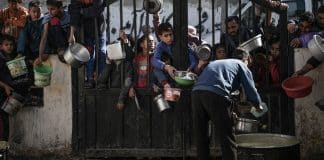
(245, 125)
(76, 55)
(185, 78)
(251, 44)
(203, 52)
(152, 6)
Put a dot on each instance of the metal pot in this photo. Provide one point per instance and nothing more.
(265, 146)
(244, 107)
(13, 104)
(244, 125)
(203, 51)
(251, 44)
(76, 55)
(172, 94)
(152, 6)
(161, 103)
(316, 47)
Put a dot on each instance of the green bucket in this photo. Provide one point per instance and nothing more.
(42, 75)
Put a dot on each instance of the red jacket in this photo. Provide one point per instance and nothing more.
(141, 65)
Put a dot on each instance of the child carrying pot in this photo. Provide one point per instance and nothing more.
(56, 27)
(142, 75)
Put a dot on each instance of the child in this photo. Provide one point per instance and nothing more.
(259, 68)
(6, 82)
(7, 44)
(145, 46)
(55, 31)
(127, 43)
(90, 15)
(220, 51)
(162, 70)
(13, 18)
(274, 60)
(30, 35)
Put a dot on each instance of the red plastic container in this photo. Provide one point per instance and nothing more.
(298, 87)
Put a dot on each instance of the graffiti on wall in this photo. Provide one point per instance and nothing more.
(138, 26)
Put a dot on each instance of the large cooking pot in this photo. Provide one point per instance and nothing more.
(264, 146)
(76, 55)
(245, 125)
(316, 47)
(251, 44)
(13, 104)
(152, 6)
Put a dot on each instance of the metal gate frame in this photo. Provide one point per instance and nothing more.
(80, 132)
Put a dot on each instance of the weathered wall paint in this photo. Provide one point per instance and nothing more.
(308, 117)
(166, 16)
(47, 128)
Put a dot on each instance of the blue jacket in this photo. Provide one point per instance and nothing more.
(163, 48)
(225, 76)
(29, 37)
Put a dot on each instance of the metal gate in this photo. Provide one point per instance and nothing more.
(101, 131)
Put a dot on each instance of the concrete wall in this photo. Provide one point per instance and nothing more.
(308, 117)
(39, 130)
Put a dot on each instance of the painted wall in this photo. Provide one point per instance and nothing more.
(39, 130)
(309, 118)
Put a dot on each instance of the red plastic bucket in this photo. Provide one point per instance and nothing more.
(298, 87)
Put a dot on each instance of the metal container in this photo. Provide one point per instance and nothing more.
(152, 6)
(76, 55)
(244, 125)
(316, 47)
(203, 51)
(264, 146)
(251, 44)
(13, 104)
(161, 103)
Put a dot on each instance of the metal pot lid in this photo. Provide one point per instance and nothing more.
(265, 140)
(152, 6)
(80, 52)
